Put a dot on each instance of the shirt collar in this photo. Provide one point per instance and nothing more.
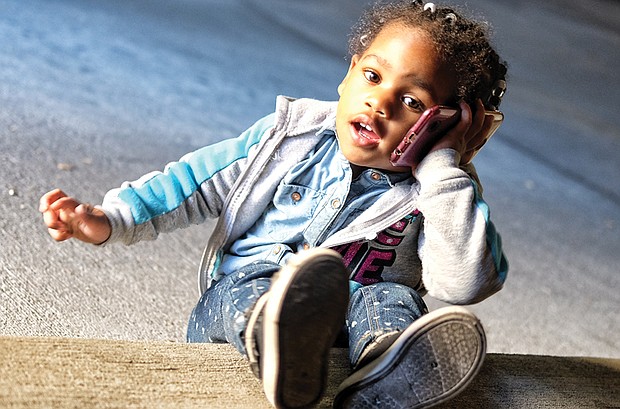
(392, 178)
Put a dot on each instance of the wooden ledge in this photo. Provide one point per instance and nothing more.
(80, 373)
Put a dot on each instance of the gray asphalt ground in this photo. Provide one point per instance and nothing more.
(94, 93)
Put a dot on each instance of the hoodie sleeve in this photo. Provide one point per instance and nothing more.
(186, 192)
(460, 250)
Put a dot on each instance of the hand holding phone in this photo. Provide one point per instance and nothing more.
(429, 128)
(421, 137)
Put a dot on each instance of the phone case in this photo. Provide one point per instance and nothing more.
(498, 119)
(433, 123)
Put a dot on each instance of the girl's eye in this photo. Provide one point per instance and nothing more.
(413, 103)
(371, 76)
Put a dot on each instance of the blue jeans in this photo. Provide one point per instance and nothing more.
(222, 312)
(379, 309)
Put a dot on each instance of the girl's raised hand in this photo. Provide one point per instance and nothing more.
(66, 217)
(468, 136)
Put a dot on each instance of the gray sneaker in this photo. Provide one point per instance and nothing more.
(294, 325)
(432, 361)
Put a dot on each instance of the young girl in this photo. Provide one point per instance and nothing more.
(316, 227)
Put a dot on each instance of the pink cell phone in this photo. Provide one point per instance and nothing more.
(433, 123)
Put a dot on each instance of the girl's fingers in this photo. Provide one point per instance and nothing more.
(50, 197)
(64, 203)
(477, 122)
(58, 214)
(466, 117)
(50, 218)
(59, 235)
(478, 133)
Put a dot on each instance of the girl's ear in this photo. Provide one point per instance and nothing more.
(343, 83)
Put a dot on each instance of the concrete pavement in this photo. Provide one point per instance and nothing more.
(94, 93)
(64, 372)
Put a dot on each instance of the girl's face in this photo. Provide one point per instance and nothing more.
(384, 93)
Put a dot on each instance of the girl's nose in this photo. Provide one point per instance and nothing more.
(379, 103)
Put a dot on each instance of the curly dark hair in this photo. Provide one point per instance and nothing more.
(460, 42)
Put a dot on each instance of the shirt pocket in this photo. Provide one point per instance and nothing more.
(293, 209)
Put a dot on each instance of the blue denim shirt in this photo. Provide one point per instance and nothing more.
(317, 197)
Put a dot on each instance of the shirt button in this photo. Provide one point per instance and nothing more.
(375, 176)
(296, 196)
(336, 203)
(277, 250)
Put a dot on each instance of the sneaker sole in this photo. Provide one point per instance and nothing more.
(303, 316)
(431, 362)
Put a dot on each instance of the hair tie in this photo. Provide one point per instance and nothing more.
(497, 93)
(499, 88)
(450, 18)
(431, 7)
(364, 40)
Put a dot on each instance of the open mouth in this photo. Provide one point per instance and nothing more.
(366, 131)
